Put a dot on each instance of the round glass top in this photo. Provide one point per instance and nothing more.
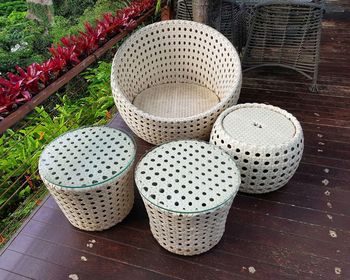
(86, 157)
(259, 126)
(187, 176)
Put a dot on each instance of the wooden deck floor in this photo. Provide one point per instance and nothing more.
(301, 231)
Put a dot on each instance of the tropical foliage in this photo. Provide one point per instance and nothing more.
(20, 87)
(20, 150)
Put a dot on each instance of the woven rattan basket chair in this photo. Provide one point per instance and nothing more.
(285, 33)
(171, 80)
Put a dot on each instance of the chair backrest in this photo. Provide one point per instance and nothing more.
(224, 18)
(184, 9)
(176, 51)
(285, 32)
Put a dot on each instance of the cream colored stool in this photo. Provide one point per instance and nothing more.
(89, 173)
(266, 143)
(187, 188)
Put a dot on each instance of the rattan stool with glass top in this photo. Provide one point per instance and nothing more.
(88, 172)
(265, 141)
(187, 187)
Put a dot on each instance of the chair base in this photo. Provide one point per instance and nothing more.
(313, 87)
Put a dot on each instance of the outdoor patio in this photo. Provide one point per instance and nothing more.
(301, 231)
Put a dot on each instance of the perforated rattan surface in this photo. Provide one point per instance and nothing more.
(176, 100)
(187, 176)
(259, 126)
(174, 52)
(267, 157)
(86, 157)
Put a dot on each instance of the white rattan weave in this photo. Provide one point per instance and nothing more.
(89, 173)
(168, 54)
(188, 188)
(265, 141)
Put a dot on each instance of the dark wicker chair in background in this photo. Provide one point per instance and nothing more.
(184, 10)
(285, 33)
(224, 17)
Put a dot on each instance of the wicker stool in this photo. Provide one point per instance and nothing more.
(89, 173)
(172, 79)
(188, 188)
(266, 142)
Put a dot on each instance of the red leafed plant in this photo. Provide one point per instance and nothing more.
(17, 89)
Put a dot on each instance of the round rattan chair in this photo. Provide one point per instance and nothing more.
(172, 79)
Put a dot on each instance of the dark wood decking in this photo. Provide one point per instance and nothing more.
(301, 231)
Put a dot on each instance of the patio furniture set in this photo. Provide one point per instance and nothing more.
(176, 84)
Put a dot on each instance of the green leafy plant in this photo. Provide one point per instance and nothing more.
(8, 6)
(18, 169)
(18, 89)
(22, 42)
(68, 25)
(72, 9)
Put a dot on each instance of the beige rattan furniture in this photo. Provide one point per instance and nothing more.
(188, 188)
(89, 173)
(265, 141)
(172, 79)
(284, 33)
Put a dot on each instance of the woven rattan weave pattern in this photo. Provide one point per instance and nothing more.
(266, 143)
(187, 187)
(170, 53)
(89, 173)
(284, 33)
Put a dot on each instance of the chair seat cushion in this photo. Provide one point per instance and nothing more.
(176, 100)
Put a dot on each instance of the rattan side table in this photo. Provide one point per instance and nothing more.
(89, 173)
(187, 188)
(265, 141)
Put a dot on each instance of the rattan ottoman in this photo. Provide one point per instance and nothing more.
(89, 173)
(187, 188)
(171, 80)
(265, 141)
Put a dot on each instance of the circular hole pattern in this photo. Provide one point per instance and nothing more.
(268, 162)
(169, 53)
(206, 177)
(86, 157)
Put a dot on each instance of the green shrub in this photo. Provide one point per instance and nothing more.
(43, 13)
(64, 26)
(22, 42)
(71, 8)
(7, 7)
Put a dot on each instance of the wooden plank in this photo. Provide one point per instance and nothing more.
(335, 90)
(6, 275)
(326, 102)
(35, 268)
(157, 260)
(240, 247)
(80, 261)
(291, 212)
(139, 218)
